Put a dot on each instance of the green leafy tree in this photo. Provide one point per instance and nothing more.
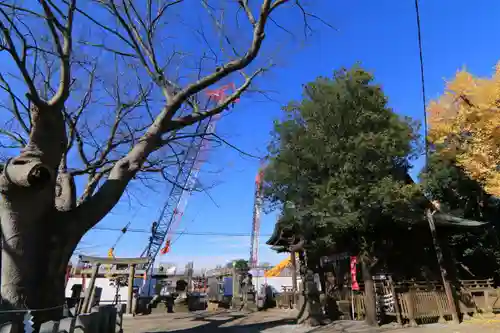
(338, 164)
(477, 253)
(240, 264)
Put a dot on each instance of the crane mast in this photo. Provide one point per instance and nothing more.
(254, 240)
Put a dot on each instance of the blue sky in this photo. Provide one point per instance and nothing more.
(382, 36)
(379, 34)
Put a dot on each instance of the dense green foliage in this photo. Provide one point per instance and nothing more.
(338, 170)
(240, 264)
(476, 252)
(338, 165)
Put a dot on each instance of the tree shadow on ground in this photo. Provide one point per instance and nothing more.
(214, 325)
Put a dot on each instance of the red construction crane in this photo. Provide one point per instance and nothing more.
(254, 240)
(173, 209)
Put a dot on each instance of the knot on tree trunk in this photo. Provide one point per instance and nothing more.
(25, 172)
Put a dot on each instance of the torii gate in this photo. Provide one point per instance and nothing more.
(97, 262)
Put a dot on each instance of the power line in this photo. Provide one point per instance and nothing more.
(424, 102)
(422, 76)
(191, 233)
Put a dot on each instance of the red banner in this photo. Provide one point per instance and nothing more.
(68, 273)
(354, 281)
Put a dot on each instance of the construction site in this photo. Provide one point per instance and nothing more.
(149, 295)
(143, 284)
(337, 183)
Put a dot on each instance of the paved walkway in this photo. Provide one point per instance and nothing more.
(279, 321)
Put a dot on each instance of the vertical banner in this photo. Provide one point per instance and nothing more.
(354, 281)
(68, 274)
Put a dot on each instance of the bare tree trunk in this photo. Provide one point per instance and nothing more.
(41, 224)
(37, 238)
(34, 259)
(370, 301)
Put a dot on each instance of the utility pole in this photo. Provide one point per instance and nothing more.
(293, 260)
(442, 267)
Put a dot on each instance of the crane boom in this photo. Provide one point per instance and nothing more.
(185, 181)
(177, 199)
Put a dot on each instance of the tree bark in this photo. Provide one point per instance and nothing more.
(370, 301)
(35, 255)
(38, 238)
(37, 242)
(310, 313)
(41, 224)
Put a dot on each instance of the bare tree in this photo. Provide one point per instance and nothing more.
(111, 90)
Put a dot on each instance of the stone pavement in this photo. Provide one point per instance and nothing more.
(279, 321)
(473, 326)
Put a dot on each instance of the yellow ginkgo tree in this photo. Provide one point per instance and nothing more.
(465, 122)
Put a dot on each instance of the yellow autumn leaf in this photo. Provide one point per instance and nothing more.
(466, 121)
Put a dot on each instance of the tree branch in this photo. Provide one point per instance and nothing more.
(248, 11)
(15, 107)
(228, 68)
(20, 61)
(223, 105)
(151, 98)
(65, 192)
(126, 168)
(64, 52)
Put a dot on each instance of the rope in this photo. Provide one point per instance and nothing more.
(32, 310)
(123, 231)
(189, 233)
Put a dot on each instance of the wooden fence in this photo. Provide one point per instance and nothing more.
(423, 302)
(103, 319)
(419, 301)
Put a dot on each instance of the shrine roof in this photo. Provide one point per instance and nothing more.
(441, 219)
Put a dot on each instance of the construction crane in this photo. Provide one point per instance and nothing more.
(254, 240)
(174, 206)
(276, 270)
(183, 184)
(111, 251)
